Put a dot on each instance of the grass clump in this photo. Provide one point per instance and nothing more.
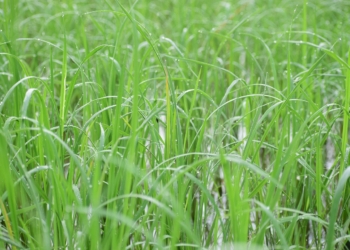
(174, 124)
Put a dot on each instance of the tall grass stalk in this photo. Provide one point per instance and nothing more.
(174, 124)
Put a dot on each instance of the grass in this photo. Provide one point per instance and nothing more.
(174, 124)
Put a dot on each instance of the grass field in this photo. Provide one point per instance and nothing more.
(174, 124)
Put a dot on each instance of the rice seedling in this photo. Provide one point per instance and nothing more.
(174, 124)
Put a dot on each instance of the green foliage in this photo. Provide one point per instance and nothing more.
(174, 124)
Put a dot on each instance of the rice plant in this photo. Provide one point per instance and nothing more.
(174, 124)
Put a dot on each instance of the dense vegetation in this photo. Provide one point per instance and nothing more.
(178, 124)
